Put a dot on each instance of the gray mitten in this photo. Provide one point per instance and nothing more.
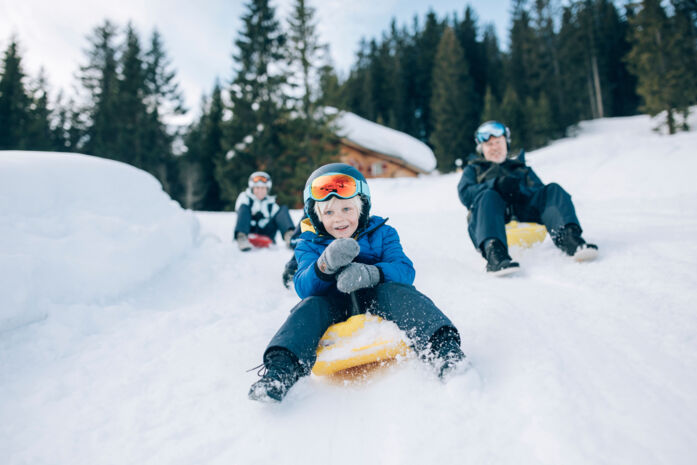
(357, 276)
(338, 254)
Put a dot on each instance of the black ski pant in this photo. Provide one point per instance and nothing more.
(551, 206)
(412, 311)
(281, 221)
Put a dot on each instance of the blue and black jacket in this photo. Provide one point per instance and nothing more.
(380, 246)
(480, 175)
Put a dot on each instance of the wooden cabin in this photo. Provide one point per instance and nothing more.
(374, 164)
(381, 152)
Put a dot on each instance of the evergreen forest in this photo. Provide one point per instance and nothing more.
(436, 79)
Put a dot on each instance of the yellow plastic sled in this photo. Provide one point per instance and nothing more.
(524, 234)
(361, 340)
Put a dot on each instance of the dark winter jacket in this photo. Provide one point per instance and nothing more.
(380, 246)
(480, 174)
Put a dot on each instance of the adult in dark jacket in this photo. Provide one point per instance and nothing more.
(496, 188)
(344, 250)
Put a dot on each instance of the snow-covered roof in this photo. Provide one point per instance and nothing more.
(387, 141)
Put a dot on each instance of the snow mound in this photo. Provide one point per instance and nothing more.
(78, 228)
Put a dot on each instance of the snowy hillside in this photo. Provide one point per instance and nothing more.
(148, 317)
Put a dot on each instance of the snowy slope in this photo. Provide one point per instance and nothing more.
(579, 363)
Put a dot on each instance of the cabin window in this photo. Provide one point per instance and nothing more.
(376, 169)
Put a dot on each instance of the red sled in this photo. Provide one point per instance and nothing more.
(259, 240)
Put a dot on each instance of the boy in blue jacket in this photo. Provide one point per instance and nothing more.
(344, 250)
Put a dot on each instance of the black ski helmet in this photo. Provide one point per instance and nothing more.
(490, 128)
(336, 168)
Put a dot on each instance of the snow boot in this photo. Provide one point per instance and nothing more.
(448, 358)
(498, 262)
(569, 240)
(243, 242)
(282, 371)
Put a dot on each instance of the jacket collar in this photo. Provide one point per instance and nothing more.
(374, 222)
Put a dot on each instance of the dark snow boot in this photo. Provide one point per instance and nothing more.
(448, 358)
(282, 371)
(569, 240)
(498, 262)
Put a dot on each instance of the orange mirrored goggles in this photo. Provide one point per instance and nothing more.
(260, 179)
(335, 184)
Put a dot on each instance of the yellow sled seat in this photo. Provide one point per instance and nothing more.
(360, 340)
(525, 234)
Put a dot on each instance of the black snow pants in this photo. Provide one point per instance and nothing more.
(551, 206)
(412, 311)
(246, 224)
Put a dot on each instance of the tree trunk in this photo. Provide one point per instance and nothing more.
(598, 89)
(591, 99)
(671, 121)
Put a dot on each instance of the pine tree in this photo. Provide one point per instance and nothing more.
(355, 87)
(308, 140)
(163, 101)
(133, 122)
(191, 180)
(684, 47)
(493, 65)
(404, 84)
(68, 129)
(524, 67)
(549, 73)
(453, 104)
(491, 110)
(37, 134)
(162, 89)
(620, 85)
(59, 131)
(513, 115)
(258, 101)
(467, 32)
(212, 150)
(14, 101)
(100, 80)
(658, 61)
(427, 46)
(197, 168)
(541, 127)
(331, 92)
(304, 55)
(574, 104)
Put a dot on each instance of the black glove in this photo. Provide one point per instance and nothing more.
(337, 255)
(289, 271)
(508, 187)
(357, 276)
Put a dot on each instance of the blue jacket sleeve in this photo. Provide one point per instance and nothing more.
(468, 189)
(307, 280)
(394, 263)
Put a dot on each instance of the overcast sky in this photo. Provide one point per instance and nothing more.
(199, 36)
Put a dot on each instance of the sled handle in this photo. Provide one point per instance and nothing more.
(355, 308)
